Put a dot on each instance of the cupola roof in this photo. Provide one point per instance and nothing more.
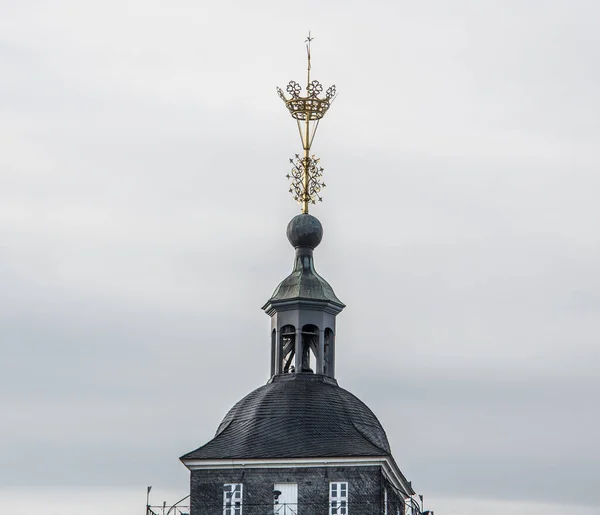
(304, 233)
(296, 416)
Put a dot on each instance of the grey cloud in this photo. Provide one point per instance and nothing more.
(142, 216)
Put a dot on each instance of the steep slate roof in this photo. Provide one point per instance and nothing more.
(297, 416)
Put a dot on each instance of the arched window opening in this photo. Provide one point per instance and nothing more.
(288, 349)
(273, 351)
(310, 347)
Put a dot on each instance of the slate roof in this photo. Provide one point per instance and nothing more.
(297, 416)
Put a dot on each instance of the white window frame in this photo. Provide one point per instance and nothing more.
(338, 498)
(286, 505)
(385, 502)
(236, 494)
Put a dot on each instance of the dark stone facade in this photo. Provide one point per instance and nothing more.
(366, 486)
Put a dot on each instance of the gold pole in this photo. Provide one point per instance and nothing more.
(306, 182)
(307, 133)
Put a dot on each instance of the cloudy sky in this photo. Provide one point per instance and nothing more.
(143, 206)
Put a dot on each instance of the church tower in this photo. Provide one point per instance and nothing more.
(300, 444)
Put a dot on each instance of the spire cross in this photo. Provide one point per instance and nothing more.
(307, 41)
(306, 175)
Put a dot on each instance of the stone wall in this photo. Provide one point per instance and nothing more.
(365, 489)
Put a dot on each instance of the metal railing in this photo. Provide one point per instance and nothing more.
(285, 509)
(176, 509)
(337, 508)
(411, 508)
(164, 510)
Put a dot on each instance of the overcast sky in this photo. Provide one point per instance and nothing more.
(143, 206)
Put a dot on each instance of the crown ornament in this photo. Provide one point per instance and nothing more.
(306, 176)
(310, 107)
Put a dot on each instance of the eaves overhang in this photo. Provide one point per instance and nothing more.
(273, 306)
(387, 463)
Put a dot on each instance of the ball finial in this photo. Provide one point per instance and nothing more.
(304, 230)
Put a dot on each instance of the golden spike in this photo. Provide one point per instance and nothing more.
(307, 139)
(307, 110)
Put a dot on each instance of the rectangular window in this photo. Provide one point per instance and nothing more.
(385, 502)
(338, 498)
(285, 499)
(232, 498)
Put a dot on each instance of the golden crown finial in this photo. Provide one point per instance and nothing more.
(306, 175)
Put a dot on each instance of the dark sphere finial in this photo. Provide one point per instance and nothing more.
(304, 230)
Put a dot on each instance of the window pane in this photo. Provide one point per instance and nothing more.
(232, 498)
(338, 498)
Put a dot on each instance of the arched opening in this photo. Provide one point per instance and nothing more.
(287, 347)
(310, 347)
(273, 351)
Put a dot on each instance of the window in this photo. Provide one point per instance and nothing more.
(385, 502)
(273, 352)
(287, 350)
(232, 498)
(338, 498)
(285, 499)
(310, 347)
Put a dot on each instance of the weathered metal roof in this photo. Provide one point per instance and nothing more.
(304, 283)
(297, 416)
(304, 232)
